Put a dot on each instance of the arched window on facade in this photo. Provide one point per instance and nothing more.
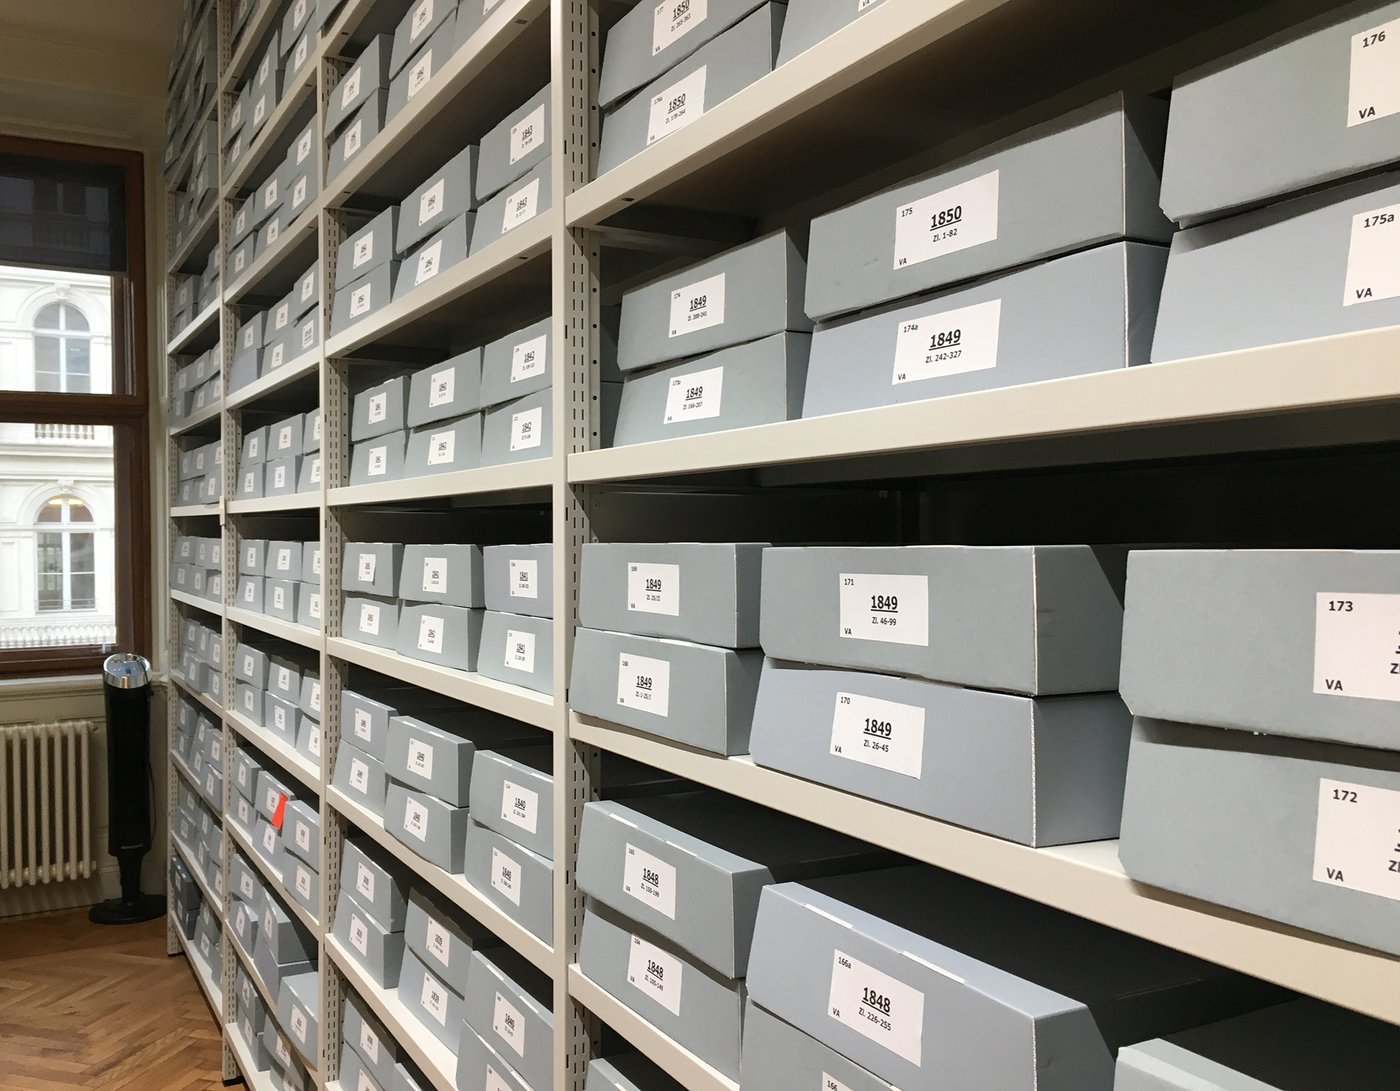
(62, 350)
(67, 556)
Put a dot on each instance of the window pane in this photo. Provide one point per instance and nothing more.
(70, 331)
(84, 592)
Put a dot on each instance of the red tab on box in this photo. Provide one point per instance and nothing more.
(279, 812)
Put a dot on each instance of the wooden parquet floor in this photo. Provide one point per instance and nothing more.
(83, 1006)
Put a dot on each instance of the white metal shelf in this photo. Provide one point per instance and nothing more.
(273, 130)
(292, 762)
(495, 262)
(1085, 880)
(188, 855)
(525, 705)
(302, 366)
(437, 1062)
(297, 501)
(203, 973)
(208, 607)
(1232, 400)
(194, 420)
(257, 1079)
(194, 511)
(281, 262)
(273, 876)
(678, 1062)
(511, 477)
(201, 323)
(455, 887)
(203, 698)
(303, 635)
(262, 18)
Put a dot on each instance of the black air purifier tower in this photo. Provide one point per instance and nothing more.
(126, 687)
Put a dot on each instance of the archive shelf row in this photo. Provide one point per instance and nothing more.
(909, 85)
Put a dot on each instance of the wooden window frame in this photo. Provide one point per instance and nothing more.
(126, 411)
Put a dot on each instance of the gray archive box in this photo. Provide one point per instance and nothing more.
(306, 295)
(512, 793)
(432, 1003)
(376, 882)
(379, 409)
(1237, 137)
(371, 621)
(252, 333)
(967, 1008)
(364, 719)
(1024, 619)
(1346, 284)
(309, 606)
(652, 39)
(371, 245)
(368, 75)
(436, 754)
(518, 203)
(515, 147)
(306, 335)
(701, 591)
(446, 390)
(450, 192)
(285, 437)
(1267, 1050)
(281, 476)
(688, 693)
(1298, 831)
(250, 481)
(278, 320)
(517, 431)
(252, 556)
(362, 128)
(302, 831)
(1037, 770)
(630, 1072)
(737, 58)
(246, 366)
(372, 568)
(443, 937)
(444, 447)
(415, 28)
(690, 866)
(372, 1044)
(431, 828)
(1323, 615)
(311, 425)
(449, 574)
(743, 294)
(508, 1002)
(254, 446)
(376, 949)
(777, 1057)
(1080, 313)
(478, 1065)
(309, 479)
(296, 1010)
(445, 249)
(811, 21)
(276, 353)
(377, 460)
(515, 648)
(760, 382)
(250, 665)
(517, 364)
(1089, 177)
(279, 599)
(519, 579)
(520, 883)
(250, 594)
(427, 62)
(447, 636)
(683, 998)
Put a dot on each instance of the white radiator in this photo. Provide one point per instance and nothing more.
(45, 803)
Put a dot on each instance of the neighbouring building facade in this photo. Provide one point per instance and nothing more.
(57, 517)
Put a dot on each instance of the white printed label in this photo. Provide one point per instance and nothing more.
(303, 150)
(1373, 258)
(429, 261)
(284, 438)
(269, 840)
(951, 343)
(364, 882)
(695, 396)
(439, 942)
(441, 387)
(677, 106)
(656, 973)
(274, 360)
(352, 140)
(434, 999)
(524, 579)
(861, 5)
(350, 89)
(885, 734)
(528, 358)
(946, 222)
(359, 775)
(888, 608)
(697, 306)
(526, 134)
(315, 608)
(378, 461)
(308, 285)
(313, 742)
(363, 730)
(366, 566)
(240, 259)
(279, 598)
(284, 556)
(1375, 74)
(494, 1082)
(1356, 844)
(650, 880)
(359, 300)
(260, 110)
(442, 448)
(644, 683)
(672, 19)
(303, 881)
(430, 204)
(420, 759)
(316, 697)
(878, 1006)
(369, 1043)
(520, 651)
(434, 575)
(279, 477)
(284, 679)
(415, 819)
(284, 1054)
(359, 935)
(308, 336)
(1356, 646)
(303, 836)
(299, 192)
(430, 634)
(419, 76)
(520, 206)
(505, 875)
(422, 16)
(508, 1024)
(526, 429)
(363, 252)
(250, 590)
(520, 806)
(369, 618)
(654, 588)
(253, 446)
